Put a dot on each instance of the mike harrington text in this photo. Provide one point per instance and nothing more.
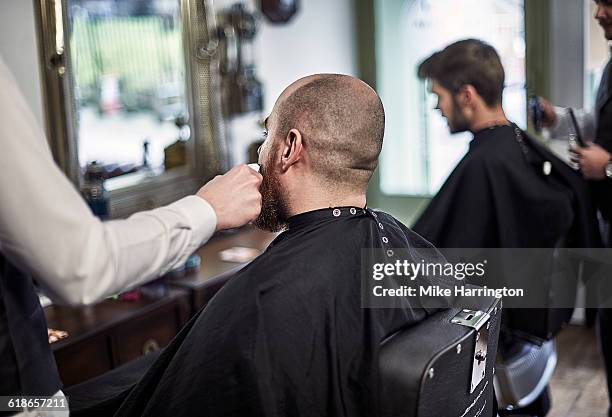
(437, 291)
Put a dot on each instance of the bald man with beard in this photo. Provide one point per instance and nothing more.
(288, 336)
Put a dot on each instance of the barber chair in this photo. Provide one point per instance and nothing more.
(522, 376)
(443, 366)
(526, 360)
(527, 355)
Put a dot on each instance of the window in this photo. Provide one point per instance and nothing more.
(419, 152)
(597, 54)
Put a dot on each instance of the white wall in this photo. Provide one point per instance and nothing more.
(320, 38)
(19, 50)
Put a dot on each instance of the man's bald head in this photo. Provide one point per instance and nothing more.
(342, 122)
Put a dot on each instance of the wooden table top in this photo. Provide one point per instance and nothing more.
(212, 266)
(82, 322)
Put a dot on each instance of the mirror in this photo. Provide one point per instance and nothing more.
(133, 85)
(129, 84)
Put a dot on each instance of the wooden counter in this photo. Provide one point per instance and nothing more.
(113, 332)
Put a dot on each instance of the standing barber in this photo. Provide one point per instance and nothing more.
(595, 162)
(596, 126)
(47, 232)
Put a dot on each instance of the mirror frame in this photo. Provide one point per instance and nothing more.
(207, 150)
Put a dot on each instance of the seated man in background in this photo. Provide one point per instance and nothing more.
(287, 336)
(508, 191)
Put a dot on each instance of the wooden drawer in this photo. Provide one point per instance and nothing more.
(84, 360)
(113, 332)
(145, 334)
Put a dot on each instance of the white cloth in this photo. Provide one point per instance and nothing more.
(558, 134)
(47, 229)
(563, 125)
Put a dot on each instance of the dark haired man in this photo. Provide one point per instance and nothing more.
(507, 191)
(288, 336)
(500, 193)
(468, 79)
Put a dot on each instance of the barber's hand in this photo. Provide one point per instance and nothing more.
(549, 117)
(234, 196)
(592, 161)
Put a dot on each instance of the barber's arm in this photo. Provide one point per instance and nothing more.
(47, 229)
(594, 159)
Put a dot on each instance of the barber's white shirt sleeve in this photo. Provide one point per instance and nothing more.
(47, 229)
(563, 125)
(558, 134)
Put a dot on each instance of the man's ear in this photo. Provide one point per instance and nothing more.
(468, 95)
(292, 149)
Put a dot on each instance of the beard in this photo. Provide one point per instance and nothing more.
(457, 123)
(274, 213)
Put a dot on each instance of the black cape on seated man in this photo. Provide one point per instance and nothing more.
(508, 191)
(287, 336)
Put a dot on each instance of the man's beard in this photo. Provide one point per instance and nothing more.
(274, 213)
(457, 123)
(607, 28)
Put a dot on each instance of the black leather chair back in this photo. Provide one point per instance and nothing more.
(441, 367)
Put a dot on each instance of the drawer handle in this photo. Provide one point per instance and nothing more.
(149, 346)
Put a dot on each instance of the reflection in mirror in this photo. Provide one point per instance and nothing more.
(129, 85)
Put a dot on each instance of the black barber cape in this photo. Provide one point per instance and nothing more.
(509, 191)
(287, 335)
(602, 190)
